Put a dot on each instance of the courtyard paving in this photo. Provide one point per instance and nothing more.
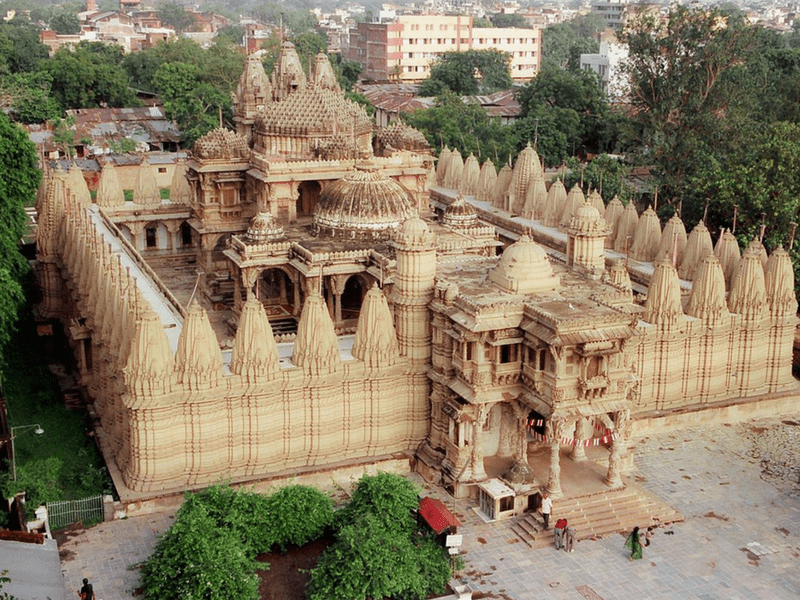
(737, 485)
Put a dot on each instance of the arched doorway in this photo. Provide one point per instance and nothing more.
(307, 196)
(186, 235)
(275, 289)
(353, 297)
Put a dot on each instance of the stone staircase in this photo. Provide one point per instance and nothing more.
(598, 515)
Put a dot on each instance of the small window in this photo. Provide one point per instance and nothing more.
(506, 503)
(162, 169)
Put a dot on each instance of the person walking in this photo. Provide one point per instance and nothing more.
(546, 508)
(634, 544)
(558, 533)
(87, 591)
(569, 538)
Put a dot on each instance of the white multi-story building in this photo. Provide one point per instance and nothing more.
(607, 64)
(402, 50)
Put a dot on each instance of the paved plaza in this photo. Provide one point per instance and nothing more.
(737, 486)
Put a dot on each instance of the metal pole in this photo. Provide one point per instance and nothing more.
(13, 457)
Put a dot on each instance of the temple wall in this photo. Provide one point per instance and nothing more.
(693, 363)
(235, 431)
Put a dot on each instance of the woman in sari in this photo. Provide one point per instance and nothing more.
(634, 544)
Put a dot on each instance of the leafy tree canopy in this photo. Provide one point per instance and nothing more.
(572, 112)
(509, 20)
(603, 173)
(563, 43)
(89, 76)
(198, 560)
(468, 73)
(369, 560)
(464, 125)
(31, 96)
(379, 552)
(19, 180)
(65, 22)
(175, 15)
(682, 74)
(20, 49)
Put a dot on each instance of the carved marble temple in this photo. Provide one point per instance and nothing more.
(373, 303)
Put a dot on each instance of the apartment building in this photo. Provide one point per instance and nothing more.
(403, 49)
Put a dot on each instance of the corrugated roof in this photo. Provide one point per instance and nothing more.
(437, 515)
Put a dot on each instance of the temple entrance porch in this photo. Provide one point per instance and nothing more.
(577, 478)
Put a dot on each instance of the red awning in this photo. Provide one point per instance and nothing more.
(436, 515)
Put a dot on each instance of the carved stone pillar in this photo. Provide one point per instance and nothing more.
(578, 453)
(555, 431)
(478, 470)
(294, 186)
(337, 283)
(173, 241)
(621, 430)
(521, 441)
(136, 229)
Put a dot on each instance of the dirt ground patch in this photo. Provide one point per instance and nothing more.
(289, 573)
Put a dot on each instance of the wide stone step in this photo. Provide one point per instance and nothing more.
(598, 515)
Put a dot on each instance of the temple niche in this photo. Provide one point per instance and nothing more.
(315, 293)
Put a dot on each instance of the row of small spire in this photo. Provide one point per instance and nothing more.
(124, 322)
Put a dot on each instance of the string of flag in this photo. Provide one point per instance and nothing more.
(607, 436)
(595, 441)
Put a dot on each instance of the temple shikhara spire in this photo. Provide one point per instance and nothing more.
(310, 293)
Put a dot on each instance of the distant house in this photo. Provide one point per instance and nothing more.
(100, 131)
(390, 100)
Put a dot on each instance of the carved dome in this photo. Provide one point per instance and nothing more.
(524, 268)
(587, 220)
(364, 203)
(263, 229)
(399, 136)
(459, 214)
(414, 232)
(221, 144)
(311, 118)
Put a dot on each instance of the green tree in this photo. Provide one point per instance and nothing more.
(89, 76)
(233, 33)
(175, 15)
(603, 173)
(19, 180)
(391, 498)
(509, 20)
(682, 75)
(468, 73)
(379, 552)
(30, 95)
(20, 48)
(576, 99)
(759, 177)
(194, 104)
(65, 22)
(369, 560)
(198, 560)
(464, 125)
(563, 43)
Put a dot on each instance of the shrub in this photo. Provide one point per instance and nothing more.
(198, 560)
(391, 498)
(300, 514)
